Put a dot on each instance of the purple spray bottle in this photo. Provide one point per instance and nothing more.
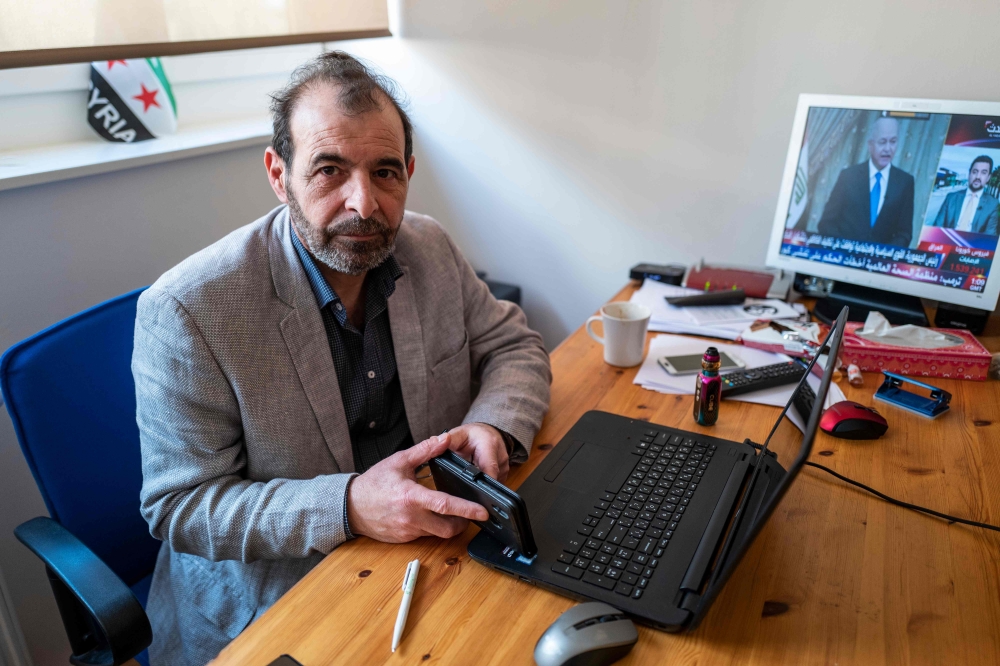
(708, 389)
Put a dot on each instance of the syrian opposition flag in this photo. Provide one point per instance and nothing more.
(130, 100)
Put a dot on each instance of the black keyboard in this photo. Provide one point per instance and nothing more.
(756, 379)
(623, 537)
(804, 400)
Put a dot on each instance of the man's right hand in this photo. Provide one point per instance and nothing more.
(386, 502)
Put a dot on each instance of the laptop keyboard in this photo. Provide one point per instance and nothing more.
(622, 538)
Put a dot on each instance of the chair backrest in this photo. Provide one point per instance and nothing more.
(70, 393)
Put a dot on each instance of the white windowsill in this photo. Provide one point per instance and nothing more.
(20, 168)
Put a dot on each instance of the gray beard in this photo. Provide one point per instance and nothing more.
(344, 256)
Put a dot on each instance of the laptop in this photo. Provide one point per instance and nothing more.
(650, 519)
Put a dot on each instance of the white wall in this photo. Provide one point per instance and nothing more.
(560, 143)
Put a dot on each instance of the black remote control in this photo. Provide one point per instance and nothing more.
(768, 376)
(720, 297)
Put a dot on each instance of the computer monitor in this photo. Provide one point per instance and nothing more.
(900, 195)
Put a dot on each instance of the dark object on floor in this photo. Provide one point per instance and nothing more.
(501, 290)
(849, 420)
(504, 292)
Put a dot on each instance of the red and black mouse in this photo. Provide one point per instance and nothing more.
(849, 420)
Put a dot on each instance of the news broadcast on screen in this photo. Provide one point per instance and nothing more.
(909, 194)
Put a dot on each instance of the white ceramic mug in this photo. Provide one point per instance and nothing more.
(624, 332)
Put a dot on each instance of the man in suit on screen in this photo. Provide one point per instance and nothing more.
(972, 209)
(872, 201)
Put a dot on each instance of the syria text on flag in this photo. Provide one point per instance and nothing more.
(130, 100)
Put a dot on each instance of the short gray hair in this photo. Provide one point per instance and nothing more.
(361, 90)
(871, 128)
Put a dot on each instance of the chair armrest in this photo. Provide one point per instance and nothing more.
(105, 623)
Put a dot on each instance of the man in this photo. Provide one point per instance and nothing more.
(972, 209)
(283, 373)
(872, 201)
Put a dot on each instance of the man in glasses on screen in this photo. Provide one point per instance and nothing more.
(872, 201)
(972, 209)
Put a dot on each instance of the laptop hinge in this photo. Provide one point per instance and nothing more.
(750, 442)
(690, 602)
(710, 540)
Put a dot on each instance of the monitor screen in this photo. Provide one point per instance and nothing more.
(901, 195)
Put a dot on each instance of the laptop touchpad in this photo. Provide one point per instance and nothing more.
(591, 467)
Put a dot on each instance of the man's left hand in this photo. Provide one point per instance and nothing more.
(484, 446)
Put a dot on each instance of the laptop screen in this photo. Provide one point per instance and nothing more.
(732, 550)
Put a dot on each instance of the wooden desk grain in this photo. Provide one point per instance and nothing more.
(836, 577)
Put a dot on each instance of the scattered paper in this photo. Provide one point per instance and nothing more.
(787, 336)
(668, 319)
(717, 321)
(751, 310)
(654, 378)
(651, 375)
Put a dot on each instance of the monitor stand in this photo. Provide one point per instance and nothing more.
(897, 308)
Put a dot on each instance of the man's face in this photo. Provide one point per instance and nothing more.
(979, 175)
(346, 187)
(882, 145)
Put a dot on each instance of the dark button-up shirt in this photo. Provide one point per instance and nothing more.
(365, 361)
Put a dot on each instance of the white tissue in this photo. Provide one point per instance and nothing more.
(878, 329)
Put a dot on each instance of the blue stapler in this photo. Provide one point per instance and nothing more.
(931, 406)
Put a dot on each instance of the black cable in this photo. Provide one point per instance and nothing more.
(905, 505)
(891, 500)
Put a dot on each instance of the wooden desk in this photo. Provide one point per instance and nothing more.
(836, 577)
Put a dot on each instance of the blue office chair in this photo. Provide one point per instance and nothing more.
(70, 393)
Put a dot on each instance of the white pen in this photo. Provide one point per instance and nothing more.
(409, 582)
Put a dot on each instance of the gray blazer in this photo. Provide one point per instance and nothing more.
(245, 447)
(983, 222)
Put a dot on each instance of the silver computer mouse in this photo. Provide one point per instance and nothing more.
(591, 634)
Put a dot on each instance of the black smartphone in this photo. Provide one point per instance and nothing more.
(508, 521)
(284, 660)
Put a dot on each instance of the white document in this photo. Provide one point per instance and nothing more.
(653, 377)
(751, 310)
(653, 295)
(716, 321)
(722, 332)
(668, 319)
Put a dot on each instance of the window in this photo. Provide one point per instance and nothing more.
(46, 32)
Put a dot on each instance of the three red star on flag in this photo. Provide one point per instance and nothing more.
(148, 98)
